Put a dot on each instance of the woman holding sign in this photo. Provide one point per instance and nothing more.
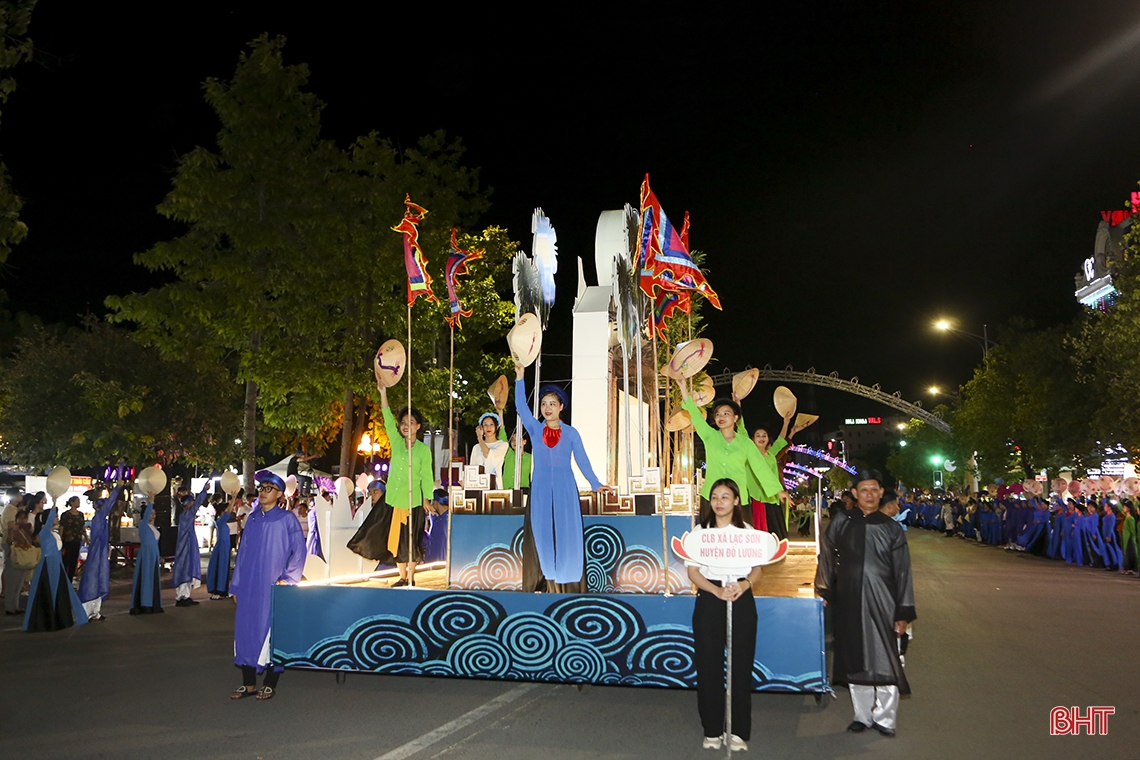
(710, 630)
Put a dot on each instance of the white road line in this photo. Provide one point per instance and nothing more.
(431, 737)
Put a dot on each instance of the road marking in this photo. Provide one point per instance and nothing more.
(431, 737)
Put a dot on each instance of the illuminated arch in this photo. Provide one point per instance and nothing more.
(820, 454)
(873, 392)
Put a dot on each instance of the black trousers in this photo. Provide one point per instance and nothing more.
(709, 634)
(776, 525)
(70, 554)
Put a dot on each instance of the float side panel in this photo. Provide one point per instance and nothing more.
(633, 640)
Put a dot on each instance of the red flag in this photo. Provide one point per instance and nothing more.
(664, 254)
(419, 281)
(457, 263)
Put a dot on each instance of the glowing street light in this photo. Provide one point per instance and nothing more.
(945, 325)
(936, 460)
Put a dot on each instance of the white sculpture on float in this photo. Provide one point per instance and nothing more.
(619, 437)
(343, 525)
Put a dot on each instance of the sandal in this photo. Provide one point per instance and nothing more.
(242, 692)
(266, 692)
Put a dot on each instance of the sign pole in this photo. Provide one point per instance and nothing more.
(728, 678)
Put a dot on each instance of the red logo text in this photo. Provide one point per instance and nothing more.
(1065, 721)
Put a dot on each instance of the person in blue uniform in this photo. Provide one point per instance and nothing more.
(552, 523)
(95, 583)
(218, 571)
(52, 603)
(272, 552)
(1113, 557)
(146, 593)
(187, 573)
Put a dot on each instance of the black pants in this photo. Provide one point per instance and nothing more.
(776, 524)
(709, 634)
(70, 552)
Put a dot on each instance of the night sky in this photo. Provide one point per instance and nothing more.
(853, 170)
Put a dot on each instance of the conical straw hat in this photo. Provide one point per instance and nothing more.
(525, 340)
(744, 382)
(678, 422)
(389, 363)
(498, 392)
(784, 400)
(689, 358)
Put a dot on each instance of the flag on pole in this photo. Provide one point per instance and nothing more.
(419, 281)
(668, 302)
(664, 253)
(457, 263)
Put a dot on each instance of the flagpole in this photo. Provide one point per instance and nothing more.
(450, 447)
(657, 461)
(408, 440)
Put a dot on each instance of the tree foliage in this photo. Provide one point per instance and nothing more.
(913, 463)
(1026, 409)
(92, 396)
(15, 48)
(289, 270)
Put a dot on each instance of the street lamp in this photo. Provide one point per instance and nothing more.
(934, 390)
(983, 340)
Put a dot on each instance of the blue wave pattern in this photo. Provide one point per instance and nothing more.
(611, 566)
(577, 639)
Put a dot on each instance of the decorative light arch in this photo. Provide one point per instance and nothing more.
(819, 454)
(873, 392)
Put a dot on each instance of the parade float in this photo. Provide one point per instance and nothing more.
(633, 626)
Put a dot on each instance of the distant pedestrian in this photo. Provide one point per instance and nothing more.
(272, 552)
(864, 578)
(72, 532)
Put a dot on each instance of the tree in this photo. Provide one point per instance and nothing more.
(15, 48)
(1026, 409)
(94, 396)
(257, 212)
(927, 449)
(357, 296)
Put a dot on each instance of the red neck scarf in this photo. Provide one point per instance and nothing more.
(551, 435)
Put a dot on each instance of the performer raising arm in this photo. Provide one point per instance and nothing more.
(384, 534)
(552, 526)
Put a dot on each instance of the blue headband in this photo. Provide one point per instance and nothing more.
(549, 388)
(492, 415)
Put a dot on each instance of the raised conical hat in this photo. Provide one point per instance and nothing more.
(1074, 488)
(784, 400)
(744, 382)
(689, 358)
(1131, 486)
(679, 421)
(390, 362)
(525, 339)
(1058, 485)
(498, 392)
(704, 393)
(803, 420)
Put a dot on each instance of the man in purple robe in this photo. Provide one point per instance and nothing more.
(272, 552)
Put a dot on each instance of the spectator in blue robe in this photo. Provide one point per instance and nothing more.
(1113, 557)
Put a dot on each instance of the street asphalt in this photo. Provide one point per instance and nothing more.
(1001, 639)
